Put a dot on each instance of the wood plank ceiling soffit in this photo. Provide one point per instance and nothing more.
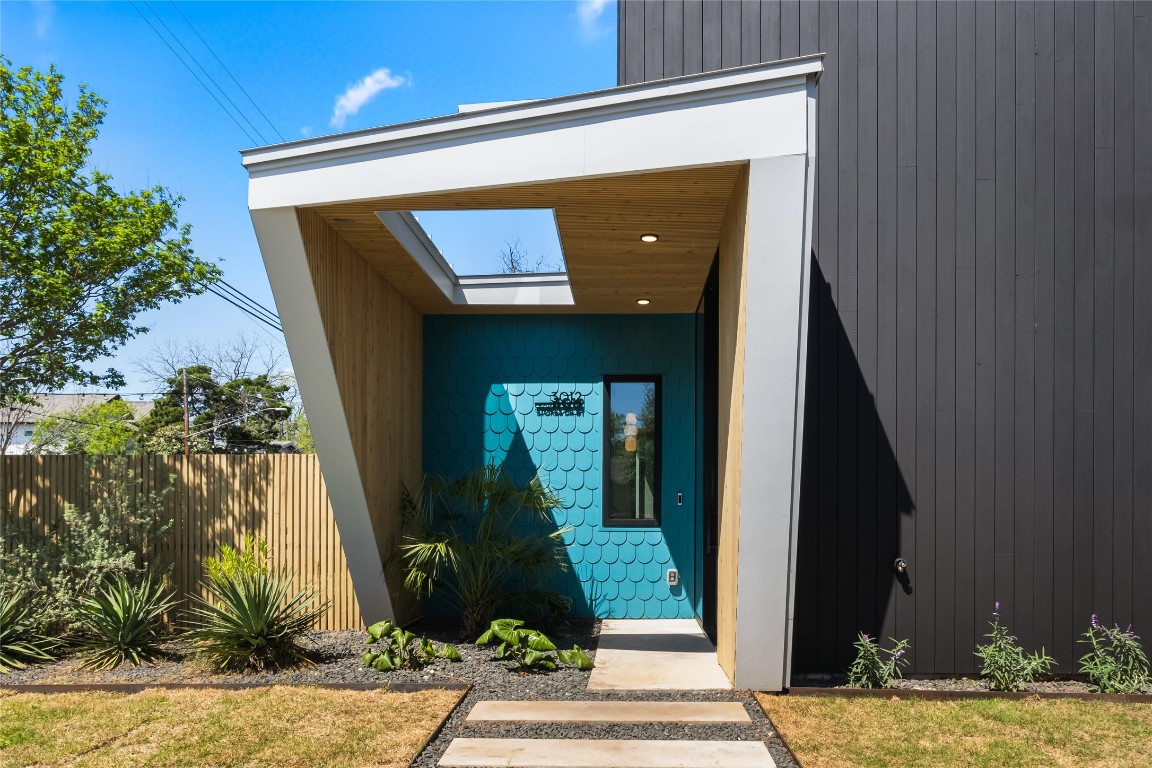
(600, 222)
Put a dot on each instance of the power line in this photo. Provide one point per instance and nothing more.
(225, 68)
(245, 298)
(193, 72)
(245, 310)
(207, 74)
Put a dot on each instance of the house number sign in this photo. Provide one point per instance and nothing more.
(562, 404)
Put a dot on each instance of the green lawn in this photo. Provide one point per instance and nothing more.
(279, 726)
(830, 732)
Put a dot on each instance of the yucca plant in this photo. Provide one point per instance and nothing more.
(20, 641)
(122, 623)
(252, 622)
(483, 543)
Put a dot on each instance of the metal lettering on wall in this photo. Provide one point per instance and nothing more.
(562, 404)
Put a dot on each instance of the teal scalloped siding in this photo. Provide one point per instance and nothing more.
(482, 378)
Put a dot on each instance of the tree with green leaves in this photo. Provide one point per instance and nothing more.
(79, 260)
(244, 415)
(97, 429)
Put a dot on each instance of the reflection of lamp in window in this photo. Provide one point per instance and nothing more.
(630, 433)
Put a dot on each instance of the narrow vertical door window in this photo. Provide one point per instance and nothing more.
(632, 450)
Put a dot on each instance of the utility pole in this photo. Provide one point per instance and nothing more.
(184, 375)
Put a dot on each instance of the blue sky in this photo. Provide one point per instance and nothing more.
(313, 69)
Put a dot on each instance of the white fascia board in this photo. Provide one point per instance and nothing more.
(702, 120)
(529, 289)
(550, 289)
(413, 239)
(755, 75)
(485, 105)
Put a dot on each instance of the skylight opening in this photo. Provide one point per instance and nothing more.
(496, 242)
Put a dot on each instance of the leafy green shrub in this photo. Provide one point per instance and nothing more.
(397, 648)
(1005, 664)
(111, 535)
(1116, 662)
(20, 641)
(251, 622)
(122, 623)
(870, 669)
(530, 649)
(250, 559)
(469, 544)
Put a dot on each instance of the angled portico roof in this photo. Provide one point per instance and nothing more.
(657, 157)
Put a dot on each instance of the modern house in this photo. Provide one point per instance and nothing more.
(852, 332)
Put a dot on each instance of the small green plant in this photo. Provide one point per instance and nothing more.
(253, 622)
(1005, 665)
(250, 559)
(396, 648)
(530, 649)
(870, 669)
(21, 642)
(122, 623)
(1116, 662)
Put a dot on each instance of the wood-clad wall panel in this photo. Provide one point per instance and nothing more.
(214, 500)
(376, 339)
(981, 346)
(733, 280)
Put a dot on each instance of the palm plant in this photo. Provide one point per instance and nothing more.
(20, 640)
(483, 542)
(252, 622)
(122, 623)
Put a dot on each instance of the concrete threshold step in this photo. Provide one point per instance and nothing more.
(608, 712)
(604, 753)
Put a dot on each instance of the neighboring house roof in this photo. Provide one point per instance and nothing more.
(55, 404)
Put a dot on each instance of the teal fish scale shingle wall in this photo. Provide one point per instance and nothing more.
(483, 376)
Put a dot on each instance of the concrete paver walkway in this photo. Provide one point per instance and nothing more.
(631, 655)
(655, 655)
(605, 753)
(608, 712)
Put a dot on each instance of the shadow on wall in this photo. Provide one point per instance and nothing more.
(856, 510)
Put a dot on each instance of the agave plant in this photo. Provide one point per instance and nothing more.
(122, 623)
(252, 622)
(473, 544)
(20, 640)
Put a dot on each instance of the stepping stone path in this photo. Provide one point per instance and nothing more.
(606, 753)
(632, 658)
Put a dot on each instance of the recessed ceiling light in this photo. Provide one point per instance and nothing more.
(649, 238)
(343, 221)
(643, 302)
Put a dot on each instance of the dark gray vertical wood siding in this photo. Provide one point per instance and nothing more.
(980, 377)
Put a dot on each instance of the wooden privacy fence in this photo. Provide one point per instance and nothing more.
(214, 500)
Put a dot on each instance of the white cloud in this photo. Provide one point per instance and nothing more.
(306, 131)
(45, 15)
(589, 13)
(359, 94)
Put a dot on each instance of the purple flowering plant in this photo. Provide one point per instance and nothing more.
(1004, 663)
(871, 669)
(1116, 661)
